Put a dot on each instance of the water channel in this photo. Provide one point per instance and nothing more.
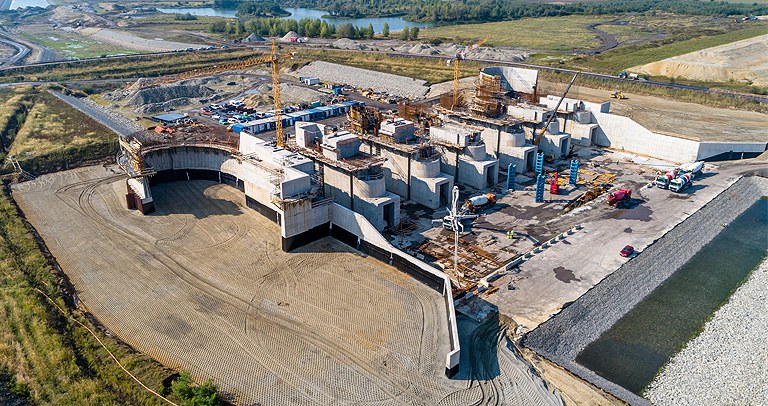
(395, 23)
(632, 351)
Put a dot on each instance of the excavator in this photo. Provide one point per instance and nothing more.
(460, 56)
(273, 58)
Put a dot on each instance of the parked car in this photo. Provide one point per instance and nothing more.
(627, 251)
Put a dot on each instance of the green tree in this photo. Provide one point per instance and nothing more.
(414, 33)
(405, 33)
(385, 30)
(195, 395)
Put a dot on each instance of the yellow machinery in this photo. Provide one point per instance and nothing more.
(461, 55)
(618, 95)
(273, 58)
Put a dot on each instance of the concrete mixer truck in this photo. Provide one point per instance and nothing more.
(681, 182)
(663, 180)
(477, 203)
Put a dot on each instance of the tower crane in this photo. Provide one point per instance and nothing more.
(460, 56)
(273, 58)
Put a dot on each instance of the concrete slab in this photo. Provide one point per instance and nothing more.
(567, 269)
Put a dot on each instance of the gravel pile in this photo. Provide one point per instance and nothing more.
(728, 362)
(346, 43)
(383, 82)
(562, 337)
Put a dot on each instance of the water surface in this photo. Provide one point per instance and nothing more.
(632, 351)
(395, 23)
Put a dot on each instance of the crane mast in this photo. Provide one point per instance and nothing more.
(456, 71)
(276, 93)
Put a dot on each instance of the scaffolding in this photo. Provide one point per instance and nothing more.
(487, 100)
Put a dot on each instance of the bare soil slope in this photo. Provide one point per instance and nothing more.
(741, 60)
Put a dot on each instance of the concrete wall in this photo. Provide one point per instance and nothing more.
(337, 186)
(395, 172)
(359, 226)
(623, 133)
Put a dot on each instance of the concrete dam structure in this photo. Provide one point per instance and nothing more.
(284, 187)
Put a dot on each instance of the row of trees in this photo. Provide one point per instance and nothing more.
(306, 27)
(498, 10)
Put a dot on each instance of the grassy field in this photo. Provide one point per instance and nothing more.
(13, 106)
(69, 43)
(547, 33)
(55, 135)
(622, 58)
(44, 357)
(143, 66)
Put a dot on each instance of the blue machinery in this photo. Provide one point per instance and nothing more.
(573, 172)
(511, 173)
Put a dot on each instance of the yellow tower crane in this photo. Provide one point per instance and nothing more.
(274, 58)
(461, 55)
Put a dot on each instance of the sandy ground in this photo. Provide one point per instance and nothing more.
(123, 39)
(741, 60)
(202, 285)
(685, 120)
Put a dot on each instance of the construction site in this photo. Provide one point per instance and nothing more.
(338, 247)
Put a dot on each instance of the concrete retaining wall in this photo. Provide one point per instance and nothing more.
(623, 133)
(566, 334)
(357, 225)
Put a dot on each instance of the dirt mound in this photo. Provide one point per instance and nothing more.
(168, 97)
(345, 43)
(745, 60)
(254, 38)
(289, 35)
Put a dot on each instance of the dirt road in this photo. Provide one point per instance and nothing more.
(202, 285)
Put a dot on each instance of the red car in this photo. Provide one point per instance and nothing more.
(627, 251)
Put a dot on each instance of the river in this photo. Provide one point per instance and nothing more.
(28, 3)
(395, 23)
(633, 351)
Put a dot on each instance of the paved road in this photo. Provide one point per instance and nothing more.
(106, 117)
(21, 51)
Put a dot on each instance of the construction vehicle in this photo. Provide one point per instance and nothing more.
(477, 203)
(693, 168)
(681, 182)
(663, 180)
(167, 130)
(618, 95)
(455, 60)
(552, 116)
(554, 188)
(620, 198)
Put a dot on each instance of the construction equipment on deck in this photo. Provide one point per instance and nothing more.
(552, 117)
(477, 203)
(461, 55)
(274, 59)
(554, 188)
(620, 198)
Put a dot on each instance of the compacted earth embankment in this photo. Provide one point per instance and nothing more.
(564, 336)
